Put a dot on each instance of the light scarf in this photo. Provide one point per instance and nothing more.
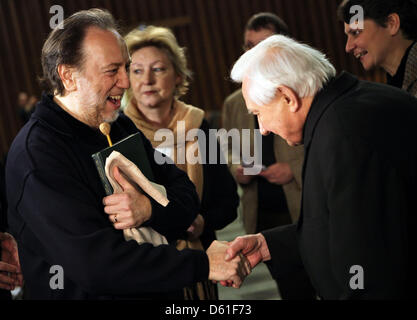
(192, 118)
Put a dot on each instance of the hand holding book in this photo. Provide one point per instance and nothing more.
(127, 207)
(126, 175)
(133, 206)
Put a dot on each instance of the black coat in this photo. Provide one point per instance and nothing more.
(359, 189)
(57, 216)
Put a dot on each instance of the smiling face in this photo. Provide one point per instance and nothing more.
(371, 45)
(153, 78)
(103, 78)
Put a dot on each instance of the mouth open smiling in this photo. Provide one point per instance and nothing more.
(361, 54)
(115, 101)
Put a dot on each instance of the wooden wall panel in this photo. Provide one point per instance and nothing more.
(212, 31)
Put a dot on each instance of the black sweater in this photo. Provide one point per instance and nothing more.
(57, 216)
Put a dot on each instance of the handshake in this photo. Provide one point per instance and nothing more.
(231, 262)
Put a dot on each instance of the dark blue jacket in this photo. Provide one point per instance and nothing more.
(57, 216)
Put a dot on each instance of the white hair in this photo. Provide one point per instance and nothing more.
(282, 61)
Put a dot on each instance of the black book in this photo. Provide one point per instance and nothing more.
(133, 149)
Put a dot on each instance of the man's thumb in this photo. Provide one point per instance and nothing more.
(230, 254)
(120, 179)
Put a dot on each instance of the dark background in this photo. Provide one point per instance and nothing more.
(212, 30)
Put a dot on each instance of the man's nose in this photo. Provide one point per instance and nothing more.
(262, 129)
(123, 81)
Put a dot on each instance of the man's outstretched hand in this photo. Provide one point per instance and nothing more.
(253, 247)
(234, 270)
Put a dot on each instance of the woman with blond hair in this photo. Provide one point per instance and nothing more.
(159, 77)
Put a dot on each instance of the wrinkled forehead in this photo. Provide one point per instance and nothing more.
(151, 54)
(246, 82)
(122, 44)
(349, 28)
(105, 45)
(358, 25)
(125, 52)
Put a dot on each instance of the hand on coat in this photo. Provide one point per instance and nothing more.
(128, 209)
(278, 173)
(234, 270)
(196, 229)
(10, 271)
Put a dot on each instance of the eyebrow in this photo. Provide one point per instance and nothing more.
(351, 31)
(136, 64)
(154, 62)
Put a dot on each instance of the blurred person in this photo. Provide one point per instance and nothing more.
(10, 272)
(355, 238)
(159, 77)
(58, 209)
(22, 99)
(26, 106)
(387, 39)
(273, 197)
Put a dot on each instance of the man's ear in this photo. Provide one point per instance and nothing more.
(393, 24)
(67, 75)
(291, 98)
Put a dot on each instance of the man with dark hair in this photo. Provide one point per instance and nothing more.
(262, 25)
(273, 197)
(64, 46)
(385, 38)
(58, 209)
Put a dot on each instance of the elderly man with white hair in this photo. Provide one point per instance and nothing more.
(355, 235)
